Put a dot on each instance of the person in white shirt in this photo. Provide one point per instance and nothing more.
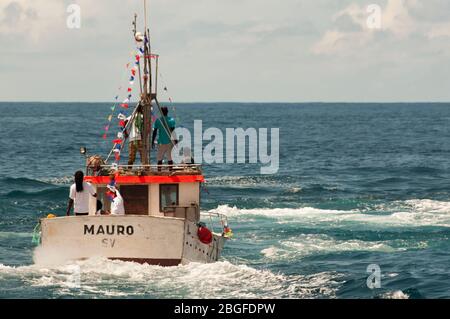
(79, 196)
(117, 206)
(134, 137)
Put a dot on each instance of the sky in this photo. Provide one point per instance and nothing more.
(230, 50)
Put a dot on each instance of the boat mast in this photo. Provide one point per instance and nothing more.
(147, 94)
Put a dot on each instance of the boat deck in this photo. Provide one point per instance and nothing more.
(147, 170)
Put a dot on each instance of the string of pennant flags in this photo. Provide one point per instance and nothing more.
(122, 116)
(124, 105)
(131, 69)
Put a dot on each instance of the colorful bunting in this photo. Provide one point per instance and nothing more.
(122, 117)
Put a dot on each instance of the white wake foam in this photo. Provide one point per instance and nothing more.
(105, 278)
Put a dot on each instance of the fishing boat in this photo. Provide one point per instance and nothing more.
(163, 224)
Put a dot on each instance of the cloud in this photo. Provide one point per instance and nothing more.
(440, 30)
(399, 20)
(239, 50)
(28, 21)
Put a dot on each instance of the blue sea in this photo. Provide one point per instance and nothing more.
(358, 184)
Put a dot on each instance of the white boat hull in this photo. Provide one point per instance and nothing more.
(163, 241)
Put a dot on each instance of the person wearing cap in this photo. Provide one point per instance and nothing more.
(117, 206)
(164, 126)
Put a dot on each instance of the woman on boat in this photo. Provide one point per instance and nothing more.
(79, 196)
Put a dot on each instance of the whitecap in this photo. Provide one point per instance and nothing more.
(315, 244)
(411, 213)
(398, 294)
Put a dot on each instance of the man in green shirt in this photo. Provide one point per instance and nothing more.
(164, 126)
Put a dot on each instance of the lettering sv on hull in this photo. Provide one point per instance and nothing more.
(108, 230)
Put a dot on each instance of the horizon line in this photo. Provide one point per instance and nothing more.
(245, 102)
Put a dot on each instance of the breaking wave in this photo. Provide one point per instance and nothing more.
(6, 235)
(45, 194)
(65, 180)
(243, 181)
(20, 182)
(32, 188)
(312, 244)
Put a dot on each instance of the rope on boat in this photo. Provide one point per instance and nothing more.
(166, 92)
(37, 231)
(37, 234)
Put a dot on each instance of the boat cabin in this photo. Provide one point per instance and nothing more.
(151, 190)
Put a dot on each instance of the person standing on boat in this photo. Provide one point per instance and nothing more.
(79, 196)
(164, 126)
(135, 138)
(117, 205)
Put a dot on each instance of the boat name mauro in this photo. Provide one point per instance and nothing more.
(108, 230)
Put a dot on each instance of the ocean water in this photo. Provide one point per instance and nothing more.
(358, 184)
